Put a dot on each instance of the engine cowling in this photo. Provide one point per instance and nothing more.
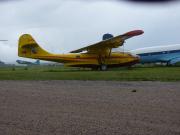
(107, 36)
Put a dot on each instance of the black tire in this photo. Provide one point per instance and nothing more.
(103, 67)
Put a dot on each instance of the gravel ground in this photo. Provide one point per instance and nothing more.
(89, 107)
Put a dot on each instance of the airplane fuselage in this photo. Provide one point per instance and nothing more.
(169, 54)
(91, 60)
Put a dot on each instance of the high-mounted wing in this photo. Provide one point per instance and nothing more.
(114, 42)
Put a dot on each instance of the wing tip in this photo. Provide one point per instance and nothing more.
(134, 33)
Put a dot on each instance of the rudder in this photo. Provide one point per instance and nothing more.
(28, 47)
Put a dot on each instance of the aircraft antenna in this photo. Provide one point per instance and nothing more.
(3, 40)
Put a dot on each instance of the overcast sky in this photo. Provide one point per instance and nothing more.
(61, 26)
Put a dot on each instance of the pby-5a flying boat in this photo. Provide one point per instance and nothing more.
(97, 56)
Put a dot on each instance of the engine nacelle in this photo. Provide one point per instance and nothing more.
(107, 36)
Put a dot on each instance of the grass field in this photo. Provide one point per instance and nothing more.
(60, 73)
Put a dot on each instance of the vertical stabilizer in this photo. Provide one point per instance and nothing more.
(28, 47)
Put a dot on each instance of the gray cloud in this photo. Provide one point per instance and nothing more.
(4, 1)
(151, 1)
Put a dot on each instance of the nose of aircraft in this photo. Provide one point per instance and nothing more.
(134, 55)
(136, 58)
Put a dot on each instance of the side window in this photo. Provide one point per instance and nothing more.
(77, 56)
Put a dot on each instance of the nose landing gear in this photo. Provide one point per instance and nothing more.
(102, 61)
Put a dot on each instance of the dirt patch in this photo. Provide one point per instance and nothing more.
(89, 107)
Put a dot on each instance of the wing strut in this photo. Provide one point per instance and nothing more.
(110, 53)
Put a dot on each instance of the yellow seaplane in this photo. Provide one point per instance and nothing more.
(95, 56)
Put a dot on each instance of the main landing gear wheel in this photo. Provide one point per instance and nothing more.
(103, 67)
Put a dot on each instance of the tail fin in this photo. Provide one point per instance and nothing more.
(37, 62)
(28, 47)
